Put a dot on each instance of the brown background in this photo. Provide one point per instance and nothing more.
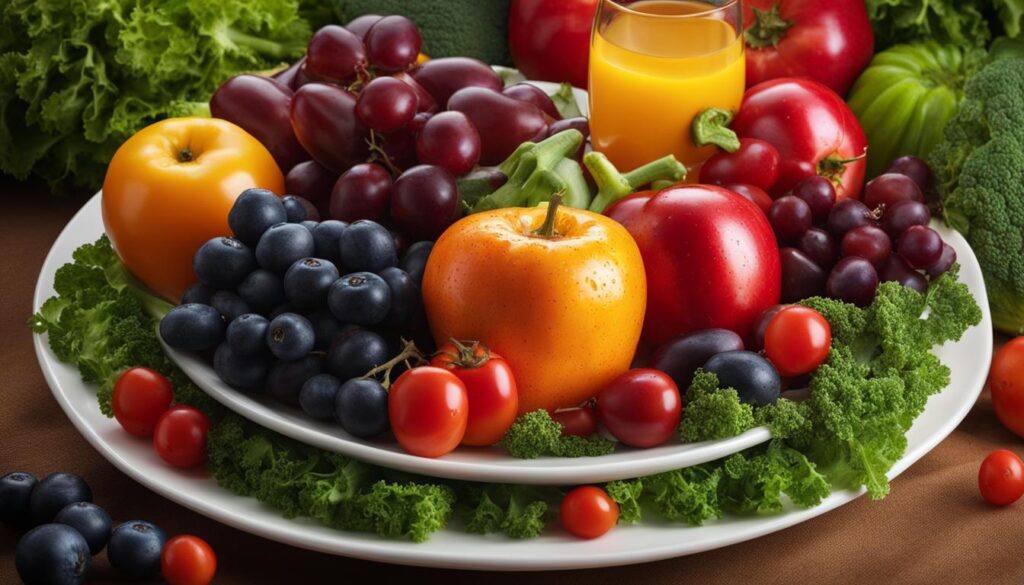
(933, 527)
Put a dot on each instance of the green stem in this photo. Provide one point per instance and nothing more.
(666, 168)
(613, 185)
(712, 127)
(768, 29)
(547, 229)
(577, 193)
(409, 352)
(264, 46)
(530, 171)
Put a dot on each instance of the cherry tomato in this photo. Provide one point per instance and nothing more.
(754, 194)
(1006, 381)
(180, 436)
(188, 560)
(141, 395)
(428, 408)
(797, 340)
(580, 421)
(640, 408)
(490, 389)
(588, 512)
(1001, 478)
(755, 163)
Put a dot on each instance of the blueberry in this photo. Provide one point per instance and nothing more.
(415, 260)
(362, 407)
(262, 290)
(290, 336)
(405, 297)
(91, 521)
(247, 334)
(754, 378)
(311, 226)
(355, 354)
(281, 310)
(52, 554)
(307, 281)
(192, 327)
(223, 262)
(327, 240)
(245, 373)
(134, 549)
(229, 305)
(367, 245)
(362, 298)
(681, 356)
(282, 245)
(285, 380)
(55, 491)
(325, 328)
(317, 396)
(15, 492)
(299, 209)
(254, 211)
(198, 293)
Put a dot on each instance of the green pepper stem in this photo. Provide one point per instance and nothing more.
(712, 127)
(547, 229)
(530, 170)
(613, 185)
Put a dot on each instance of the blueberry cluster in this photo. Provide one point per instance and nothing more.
(302, 309)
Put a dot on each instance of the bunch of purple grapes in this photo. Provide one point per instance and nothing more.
(364, 131)
(844, 249)
(303, 309)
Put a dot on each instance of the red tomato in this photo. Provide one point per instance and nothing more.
(755, 195)
(490, 388)
(428, 408)
(141, 395)
(640, 408)
(588, 512)
(703, 234)
(829, 42)
(1006, 381)
(755, 163)
(797, 340)
(180, 436)
(1001, 478)
(813, 130)
(188, 560)
(579, 422)
(551, 40)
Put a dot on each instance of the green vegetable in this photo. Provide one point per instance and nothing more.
(711, 126)
(712, 413)
(979, 168)
(516, 511)
(962, 23)
(906, 96)
(612, 186)
(532, 176)
(565, 100)
(77, 78)
(536, 434)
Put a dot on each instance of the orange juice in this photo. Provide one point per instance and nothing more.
(652, 72)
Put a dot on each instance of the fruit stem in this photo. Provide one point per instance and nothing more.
(466, 355)
(768, 29)
(531, 172)
(547, 229)
(409, 352)
(712, 127)
(185, 155)
(378, 154)
(613, 185)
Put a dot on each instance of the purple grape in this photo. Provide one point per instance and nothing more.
(361, 25)
(867, 242)
(895, 269)
(790, 217)
(890, 188)
(801, 277)
(945, 262)
(820, 247)
(335, 53)
(393, 43)
(920, 246)
(386, 104)
(853, 280)
(361, 192)
(819, 193)
(916, 169)
(904, 214)
(846, 215)
(424, 201)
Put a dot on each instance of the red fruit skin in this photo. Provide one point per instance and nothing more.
(492, 394)
(580, 421)
(640, 408)
(829, 42)
(550, 41)
(807, 123)
(711, 259)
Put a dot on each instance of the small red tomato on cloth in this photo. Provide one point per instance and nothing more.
(188, 560)
(1001, 478)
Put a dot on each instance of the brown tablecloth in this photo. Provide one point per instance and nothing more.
(933, 527)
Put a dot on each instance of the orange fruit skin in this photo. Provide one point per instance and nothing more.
(158, 210)
(565, 312)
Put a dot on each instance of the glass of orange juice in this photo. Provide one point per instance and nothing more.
(655, 65)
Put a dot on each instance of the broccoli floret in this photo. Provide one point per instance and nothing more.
(516, 510)
(712, 413)
(536, 434)
(979, 168)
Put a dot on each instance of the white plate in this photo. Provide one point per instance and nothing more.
(452, 548)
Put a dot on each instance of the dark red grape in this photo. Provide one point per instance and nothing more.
(424, 201)
(895, 269)
(286, 77)
(386, 104)
(313, 181)
(846, 215)
(260, 106)
(325, 122)
(853, 280)
(425, 101)
(362, 192)
(757, 343)
(916, 169)
(393, 43)
(752, 193)
(531, 94)
(903, 214)
(400, 147)
(304, 77)
(418, 122)
(819, 193)
(360, 25)
(451, 141)
(820, 247)
(503, 123)
(890, 188)
(790, 217)
(920, 246)
(443, 77)
(946, 260)
(335, 53)
(801, 277)
(681, 356)
(580, 125)
(867, 242)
